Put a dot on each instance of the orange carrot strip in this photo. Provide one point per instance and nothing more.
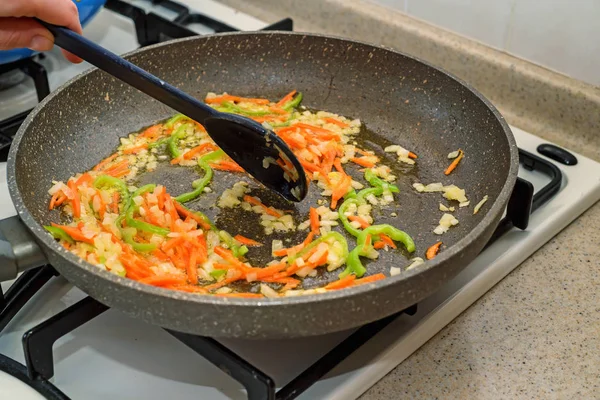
(53, 200)
(412, 155)
(192, 269)
(433, 250)
(115, 202)
(286, 98)
(188, 288)
(75, 233)
(336, 122)
(75, 200)
(117, 166)
(367, 242)
(337, 163)
(454, 164)
(256, 202)
(314, 220)
(190, 214)
(295, 249)
(102, 163)
(226, 166)
(379, 245)
(160, 255)
(362, 162)
(173, 243)
(340, 190)
(247, 241)
(387, 240)
(198, 149)
(367, 279)
(236, 275)
(61, 200)
(341, 283)
(136, 149)
(230, 258)
(236, 99)
(363, 222)
(85, 178)
(268, 271)
(151, 132)
(241, 295)
(164, 280)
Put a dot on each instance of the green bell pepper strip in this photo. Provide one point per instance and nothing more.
(141, 225)
(295, 102)
(173, 142)
(238, 251)
(235, 109)
(217, 273)
(159, 142)
(342, 214)
(198, 185)
(109, 181)
(378, 182)
(353, 263)
(331, 235)
(59, 234)
(129, 233)
(173, 120)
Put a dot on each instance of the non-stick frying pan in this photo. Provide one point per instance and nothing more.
(400, 100)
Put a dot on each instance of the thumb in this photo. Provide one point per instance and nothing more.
(24, 32)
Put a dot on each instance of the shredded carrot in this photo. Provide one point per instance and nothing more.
(172, 243)
(190, 214)
(115, 202)
(362, 162)
(363, 222)
(378, 245)
(227, 166)
(230, 258)
(339, 192)
(268, 271)
(412, 155)
(433, 250)
(314, 220)
(192, 268)
(75, 233)
(367, 242)
(241, 295)
(164, 280)
(54, 199)
(136, 149)
(297, 248)
(247, 241)
(198, 150)
(368, 279)
(75, 200)
(387, 240)
(103, 163)
(235, 99)
(85, 178)
(256, 202)
(336, 122)
(341, 283)
(151, 132)
(236, 275)
(61, 200)
(188, 288)
(454, 164)
(285, 99)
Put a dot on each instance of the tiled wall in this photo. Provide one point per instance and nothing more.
(560, 34)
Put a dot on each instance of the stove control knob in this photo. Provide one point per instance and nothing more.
(557, 154)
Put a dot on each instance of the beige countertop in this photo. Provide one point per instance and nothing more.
(535, 335)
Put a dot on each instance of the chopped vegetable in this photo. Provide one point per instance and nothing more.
(454, 164)
(433, 250)
(480, 204)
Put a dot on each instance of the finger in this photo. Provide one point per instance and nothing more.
(71, 57)
(24, 32)
(57, 12)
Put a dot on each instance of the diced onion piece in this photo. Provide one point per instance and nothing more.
(395, 271)
(464, 204)
(480, 204)
(445, 223)
(267, 291)
(454, 154)
(444, 208)
(415, 262)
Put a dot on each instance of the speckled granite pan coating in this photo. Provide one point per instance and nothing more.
(401, 98)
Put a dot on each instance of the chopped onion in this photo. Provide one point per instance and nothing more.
(395, 271)
(267, 291)
(480, 204)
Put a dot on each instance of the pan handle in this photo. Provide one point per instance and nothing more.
(18, 250)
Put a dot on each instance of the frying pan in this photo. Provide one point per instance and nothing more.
(399, 99)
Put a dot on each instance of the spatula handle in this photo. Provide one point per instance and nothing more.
(129, 73)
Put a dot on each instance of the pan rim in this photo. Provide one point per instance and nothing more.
(41, 235)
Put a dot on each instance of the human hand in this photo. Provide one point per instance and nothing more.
(19, 30)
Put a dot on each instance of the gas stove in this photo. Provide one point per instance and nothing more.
(56, 343)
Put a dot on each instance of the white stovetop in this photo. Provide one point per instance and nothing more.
(117, 357)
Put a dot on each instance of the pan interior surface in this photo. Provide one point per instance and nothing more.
(398, 99)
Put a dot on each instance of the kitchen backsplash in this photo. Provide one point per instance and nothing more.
(560, 34)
